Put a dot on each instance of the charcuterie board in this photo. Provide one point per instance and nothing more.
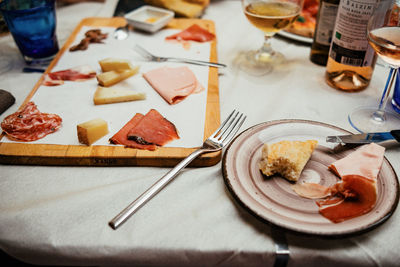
(75, 154)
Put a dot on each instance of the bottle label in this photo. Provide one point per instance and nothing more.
(349, 41)
(326, 23)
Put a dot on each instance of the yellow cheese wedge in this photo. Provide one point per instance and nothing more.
(183, 8)
(112, 77)
(109, 64)
(91, 131)
(107, 95)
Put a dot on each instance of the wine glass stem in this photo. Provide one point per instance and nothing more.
(379, 115)
(266, 48)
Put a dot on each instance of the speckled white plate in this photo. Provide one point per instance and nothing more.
(273, 200)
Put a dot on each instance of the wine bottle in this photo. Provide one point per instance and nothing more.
(351, 60)
(326, 17)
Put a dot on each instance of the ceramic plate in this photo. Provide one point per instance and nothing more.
(296, 37)
(272, 199)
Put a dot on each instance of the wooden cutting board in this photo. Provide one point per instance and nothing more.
(101, 155)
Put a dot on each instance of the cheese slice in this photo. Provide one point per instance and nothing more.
(189, 9)
(109, 64)
(108, 95)
(91, 131)
(112, 77)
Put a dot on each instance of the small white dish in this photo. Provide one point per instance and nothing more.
(149, 18)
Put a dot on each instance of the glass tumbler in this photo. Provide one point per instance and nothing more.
(396, 95)
(32, 24)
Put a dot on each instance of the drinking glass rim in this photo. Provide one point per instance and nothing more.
(5, 2)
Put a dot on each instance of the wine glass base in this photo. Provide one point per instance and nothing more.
(364, 120)
(257, 63)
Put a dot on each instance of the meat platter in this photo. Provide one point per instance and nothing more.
(195, 118)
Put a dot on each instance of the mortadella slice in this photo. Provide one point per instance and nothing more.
(365, 161)
(173, 84)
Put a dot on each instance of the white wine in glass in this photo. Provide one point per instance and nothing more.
(269, 16)
(383, 33)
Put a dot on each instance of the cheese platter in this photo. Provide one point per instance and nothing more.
(80, 102)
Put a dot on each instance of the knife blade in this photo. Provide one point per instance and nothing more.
(365, 138)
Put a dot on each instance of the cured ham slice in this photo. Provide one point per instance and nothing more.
(77, 74)
(29, 124)
(365, 161)
(121, 137)
(153, 128)
(173, 84)
(311, 190)
(356, 194)
(146, 131)
(193, 33)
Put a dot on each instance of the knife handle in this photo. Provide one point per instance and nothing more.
(396, 135)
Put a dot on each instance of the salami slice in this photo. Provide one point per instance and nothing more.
(193, 33)
(29, 124)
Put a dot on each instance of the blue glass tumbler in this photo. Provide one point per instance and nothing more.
(32, 24)
(396, 95)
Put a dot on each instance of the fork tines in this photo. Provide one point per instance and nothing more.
(229, 127)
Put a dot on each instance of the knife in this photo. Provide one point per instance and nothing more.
(365, 138)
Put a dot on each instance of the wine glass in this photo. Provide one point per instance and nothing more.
(269, 16)
(383, 33)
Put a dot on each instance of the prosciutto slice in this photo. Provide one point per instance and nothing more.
(173, 84)
(29, 124)
(356, 194)
(153, 128)
(311, 190)
(121, 137)
(193, 33)
(146, 131)
(77, 74)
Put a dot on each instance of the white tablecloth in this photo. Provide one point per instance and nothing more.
(59, 215)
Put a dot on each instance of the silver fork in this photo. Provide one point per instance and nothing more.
(152, 57)
(219, 139)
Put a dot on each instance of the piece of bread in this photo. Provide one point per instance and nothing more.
(182, 8)
(286, 158)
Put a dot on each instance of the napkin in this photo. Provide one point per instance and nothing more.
(6, 100)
